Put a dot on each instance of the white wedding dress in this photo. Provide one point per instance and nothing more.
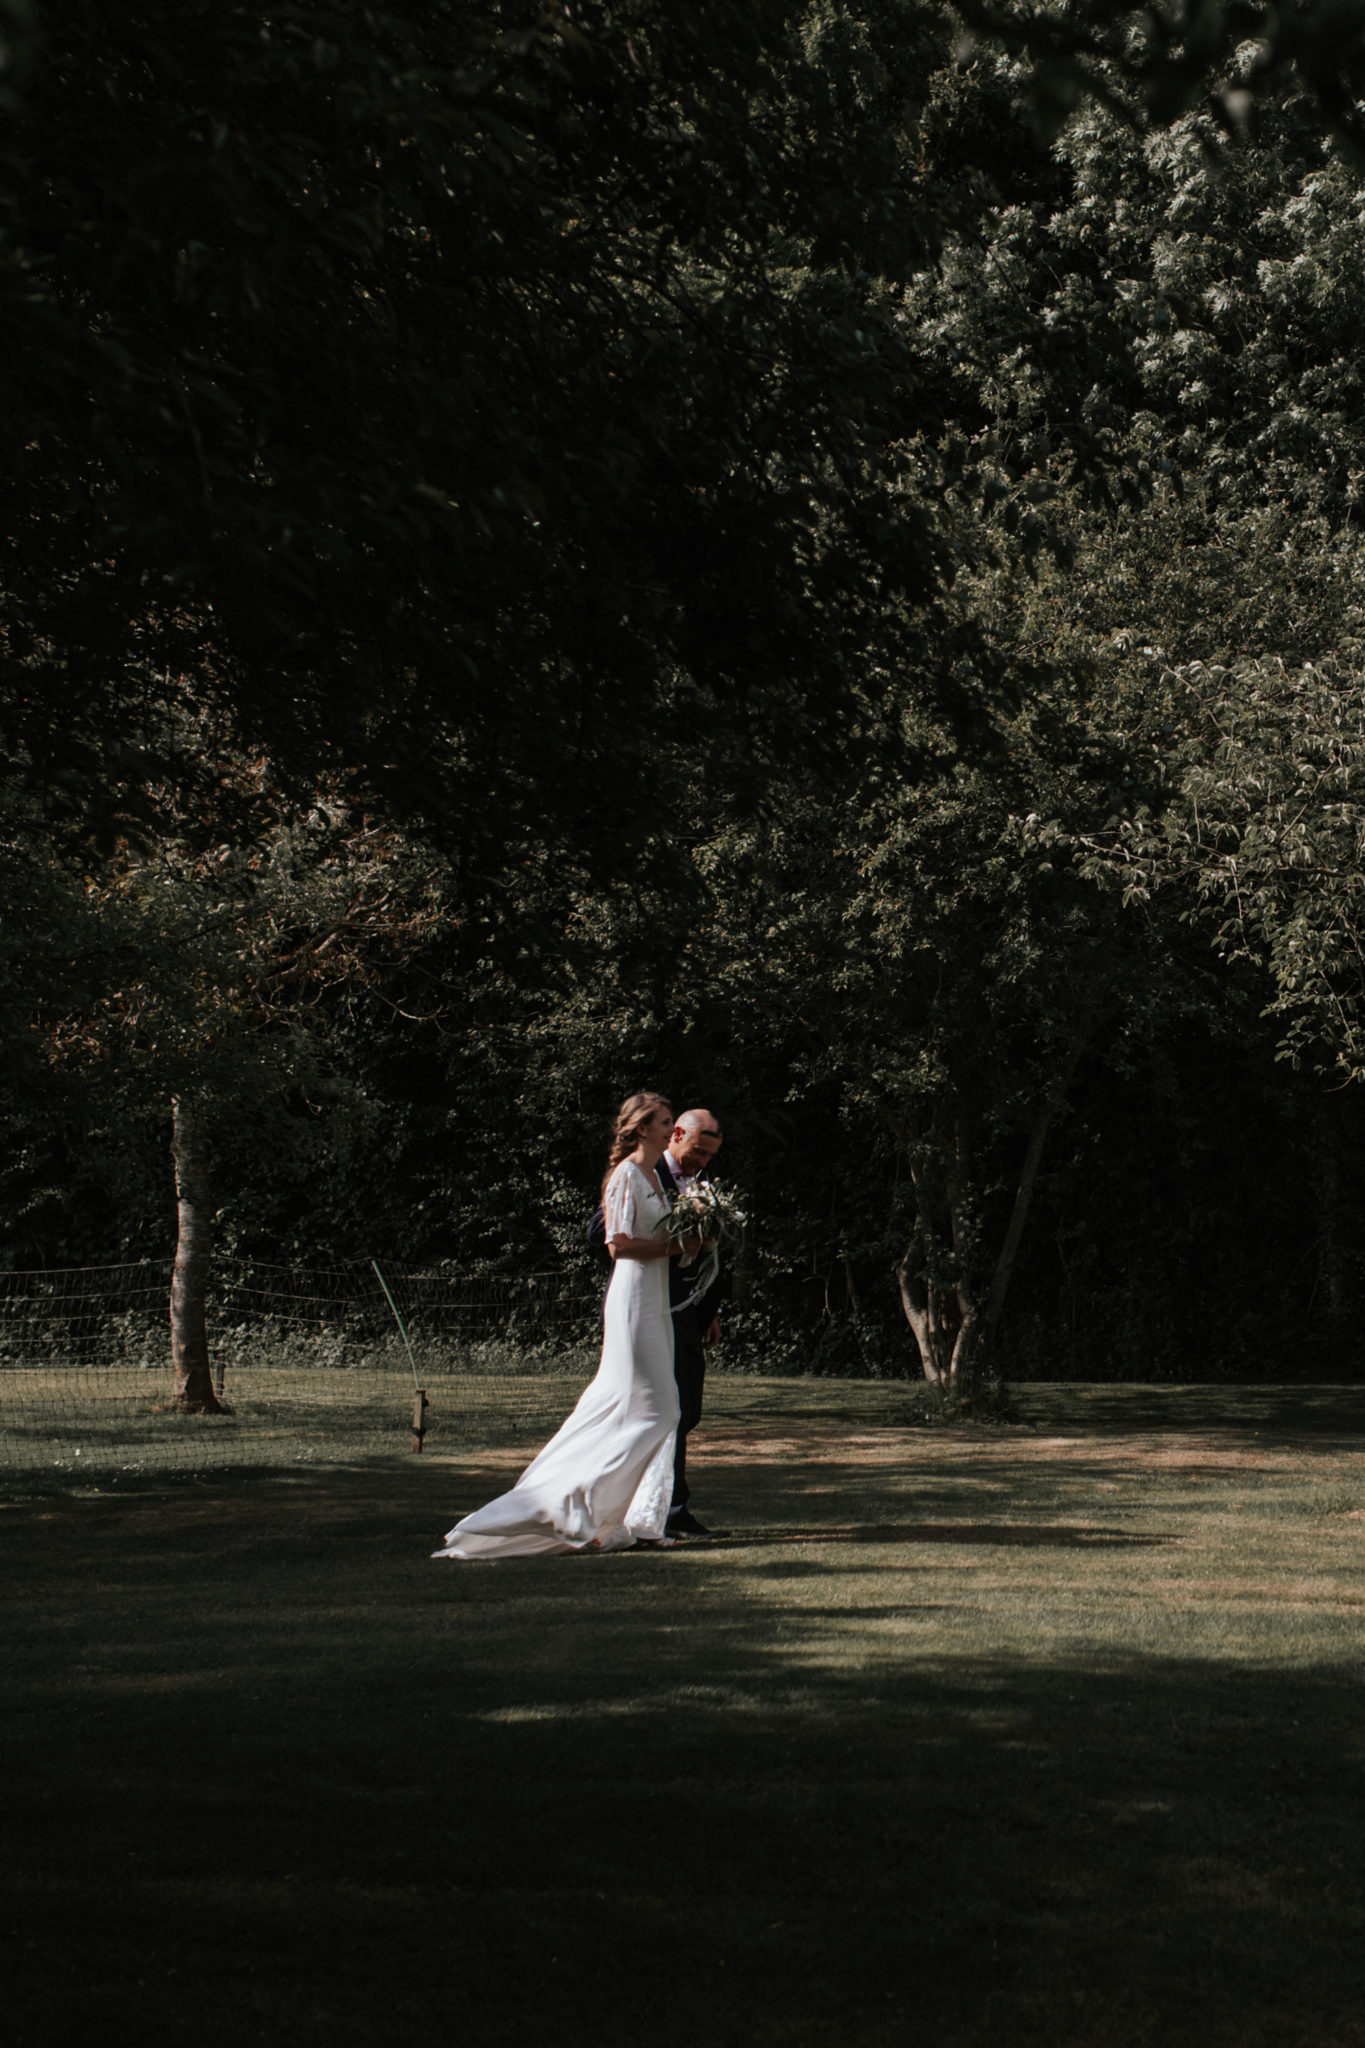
(606, 1477)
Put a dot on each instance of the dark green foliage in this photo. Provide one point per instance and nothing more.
(739, 484)
(457, 398)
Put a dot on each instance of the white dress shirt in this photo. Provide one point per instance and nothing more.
(684, 1180)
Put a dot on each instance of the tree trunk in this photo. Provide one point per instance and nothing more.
(944, 1318)
(920, 1306)
(953, 1328)
(191, 1379)
(1028, 1180)
(946, 1323)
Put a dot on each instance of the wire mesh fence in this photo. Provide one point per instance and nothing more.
(309, 1363)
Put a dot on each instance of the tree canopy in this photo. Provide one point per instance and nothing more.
(802, 553)
(457, 396)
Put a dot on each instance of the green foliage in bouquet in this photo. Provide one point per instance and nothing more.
(708, 1211)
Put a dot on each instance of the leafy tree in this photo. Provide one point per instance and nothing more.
(623, 442)
(420, 380)
(456, 396)
(1266, 825)
(215, 984)
(1193, 293)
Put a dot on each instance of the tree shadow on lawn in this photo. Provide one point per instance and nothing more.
(984, 1494)
(1260, 1417)
(1270, 1414)
(1017, 1535)
(276, 1775)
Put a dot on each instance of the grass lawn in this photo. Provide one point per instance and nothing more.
(1047, 1734)
(114, 1423)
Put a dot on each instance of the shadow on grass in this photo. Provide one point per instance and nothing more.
(1273, 1413)
(274, 1775)
(1019, 1535)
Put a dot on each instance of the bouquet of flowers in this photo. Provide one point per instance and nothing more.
(712, 1213)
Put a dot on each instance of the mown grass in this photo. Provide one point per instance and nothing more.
(70, 1421)
(1048, 1734)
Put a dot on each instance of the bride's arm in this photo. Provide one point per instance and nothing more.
(622, 1219)
(623, 1247)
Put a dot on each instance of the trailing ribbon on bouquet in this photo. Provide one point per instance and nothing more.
(710, 1212)
(701, 1280)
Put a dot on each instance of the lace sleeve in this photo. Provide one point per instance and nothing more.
(619, 1204)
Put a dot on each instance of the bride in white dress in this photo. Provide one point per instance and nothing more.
(605, 1480)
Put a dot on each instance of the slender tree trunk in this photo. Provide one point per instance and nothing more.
(191, 1379)
(943, 1318)
(1028, 1181)
(946, 1323)
(932, 1309)
(962, 1359)
(917, 1300)
(954, 1332)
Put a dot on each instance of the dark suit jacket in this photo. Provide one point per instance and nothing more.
(679, 1281)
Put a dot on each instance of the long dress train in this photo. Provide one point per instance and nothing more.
(606, 1476)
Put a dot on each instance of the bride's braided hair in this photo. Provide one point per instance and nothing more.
(629, 1117)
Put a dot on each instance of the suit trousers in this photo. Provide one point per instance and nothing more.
(689, 1370)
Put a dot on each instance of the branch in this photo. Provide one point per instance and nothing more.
(1028, 1176)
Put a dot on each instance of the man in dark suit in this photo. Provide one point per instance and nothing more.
(694, 1144)
(695, 1141)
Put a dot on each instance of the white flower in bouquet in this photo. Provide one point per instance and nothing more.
(708, 1211)
(712, 1213)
